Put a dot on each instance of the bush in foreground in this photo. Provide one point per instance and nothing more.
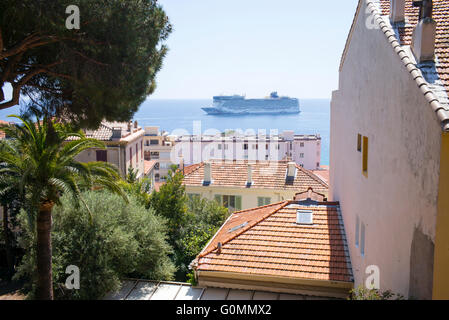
(119, 240)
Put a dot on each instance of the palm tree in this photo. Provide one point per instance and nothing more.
(42, 156)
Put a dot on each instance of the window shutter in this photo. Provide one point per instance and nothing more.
(238, 203)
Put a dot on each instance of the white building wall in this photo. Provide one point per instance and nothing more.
(397, 201)
(196, 151)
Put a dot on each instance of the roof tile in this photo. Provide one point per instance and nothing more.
(273, 244)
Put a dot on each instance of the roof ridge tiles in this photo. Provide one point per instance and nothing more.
(312, 175)
(441, 112)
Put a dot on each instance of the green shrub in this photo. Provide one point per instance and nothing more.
(202, 221)
(362, 293)
(119, 240)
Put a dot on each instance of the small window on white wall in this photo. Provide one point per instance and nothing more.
(362, 239)
(357, 231)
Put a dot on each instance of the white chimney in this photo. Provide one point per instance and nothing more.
(207, 173)
(397, 11)
(249, 180)
(291, 171)
(423, 41)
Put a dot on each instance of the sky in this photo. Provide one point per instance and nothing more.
(254, 47)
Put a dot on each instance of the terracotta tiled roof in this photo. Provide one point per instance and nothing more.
(103, 133)
(441, 16)
(191, 168)
(148, 165)
(323, 174)
(269, 242)
(266, 175)
(432, 78)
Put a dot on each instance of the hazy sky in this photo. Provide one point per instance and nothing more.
(254, 47)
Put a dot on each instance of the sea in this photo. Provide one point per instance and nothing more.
(186, 116)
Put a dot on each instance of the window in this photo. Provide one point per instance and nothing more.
(357, 232)
(137, 154)
(304, 217)
(301, 144)
(141, 149)
(233, 203)
(278, 146)
(263, 201)
(226, 147)
(362, 239)
(245, 146)
(154, 142)
(102, 155)
(359, 142)
(317, 164)
(192, 196)
(301, 155)
(154, 155)
(131, 157)
(219, 146)
(365, 156)
(266, 146)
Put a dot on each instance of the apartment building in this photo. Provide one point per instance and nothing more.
(124, 146)
(305, 150)
(158, 146)
(389, 148)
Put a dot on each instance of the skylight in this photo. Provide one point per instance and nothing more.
(304, 217)
(238, 227)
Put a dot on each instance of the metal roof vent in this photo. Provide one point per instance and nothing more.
(304, 217)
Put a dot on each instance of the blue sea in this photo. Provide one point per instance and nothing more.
(183, 115)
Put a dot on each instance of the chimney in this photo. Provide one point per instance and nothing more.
(207, 173)
(423, 41)
(291, 171)
(130, 124)
(249, 180)
(135, 124)
(397, 11)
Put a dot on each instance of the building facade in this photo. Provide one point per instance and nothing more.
(124, 147)
(389, 153)
(305, 150)
(241, 185)
(158, 147)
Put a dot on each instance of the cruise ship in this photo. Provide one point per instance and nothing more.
(237, 104)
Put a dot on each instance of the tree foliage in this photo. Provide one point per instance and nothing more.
(105, 69)
(192, 222)
(39, 157)
(122, 240)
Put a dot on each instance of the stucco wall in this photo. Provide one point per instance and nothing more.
(249, 196)
(379, 99)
